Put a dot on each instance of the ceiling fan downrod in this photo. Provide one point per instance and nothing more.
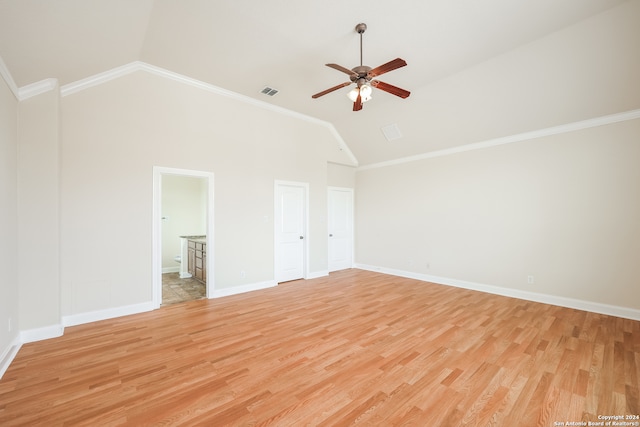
(360, 29)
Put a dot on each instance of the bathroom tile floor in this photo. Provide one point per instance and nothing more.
(175, 289)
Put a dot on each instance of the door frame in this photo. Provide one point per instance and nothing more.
(352, 234)
(305, 218)
(156, 257)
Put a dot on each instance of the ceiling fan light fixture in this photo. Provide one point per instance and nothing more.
(365, 93)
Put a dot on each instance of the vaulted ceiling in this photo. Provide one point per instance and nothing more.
(245, 45)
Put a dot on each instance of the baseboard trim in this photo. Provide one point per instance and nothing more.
(225, 292)
(595, 307)
(171, 270)
(9, 354)
(39, 334)
(317, 274)
(109, 313)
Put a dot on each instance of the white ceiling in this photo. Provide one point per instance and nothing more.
(244, 45)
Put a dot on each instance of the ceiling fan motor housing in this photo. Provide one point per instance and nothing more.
(360, 72)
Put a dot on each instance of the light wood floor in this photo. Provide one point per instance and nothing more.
(354, 348)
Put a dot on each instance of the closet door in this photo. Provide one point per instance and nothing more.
(290, 231)
(340, 225)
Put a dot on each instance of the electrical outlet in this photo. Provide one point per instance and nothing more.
(243, 274)
(9, 325)
(530, 280)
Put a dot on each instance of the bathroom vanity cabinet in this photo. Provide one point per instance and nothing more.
(197, 251)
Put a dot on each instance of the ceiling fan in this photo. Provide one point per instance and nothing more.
(364, 78)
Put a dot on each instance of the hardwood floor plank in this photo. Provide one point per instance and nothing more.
(356, 347)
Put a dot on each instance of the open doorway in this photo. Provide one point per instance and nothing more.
(183, 235)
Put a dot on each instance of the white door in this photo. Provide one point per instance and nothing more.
(340, 224)
(290, 231)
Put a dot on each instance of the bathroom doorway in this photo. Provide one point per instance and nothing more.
(183, 231)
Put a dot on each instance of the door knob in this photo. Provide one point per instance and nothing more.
(330, 235)
(301, 237)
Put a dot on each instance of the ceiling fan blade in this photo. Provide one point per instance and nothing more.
(389, 66)
(324, 92)
(390, 89)
(341, 68)
(357, 106)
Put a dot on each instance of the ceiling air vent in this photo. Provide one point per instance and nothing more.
(391, 132)
(269, 91)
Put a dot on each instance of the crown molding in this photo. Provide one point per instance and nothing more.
(555, 130)
(6, 75)
(28, 91)
(37, 88)
(132, 67)
(100, 78)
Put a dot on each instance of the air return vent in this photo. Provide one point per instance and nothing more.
(269, 91)
(391, 132)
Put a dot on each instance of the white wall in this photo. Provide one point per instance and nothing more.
(8, 220)
(184, 207)
(563, 209)
(39, 211)
(341, 176)
(115, 133)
